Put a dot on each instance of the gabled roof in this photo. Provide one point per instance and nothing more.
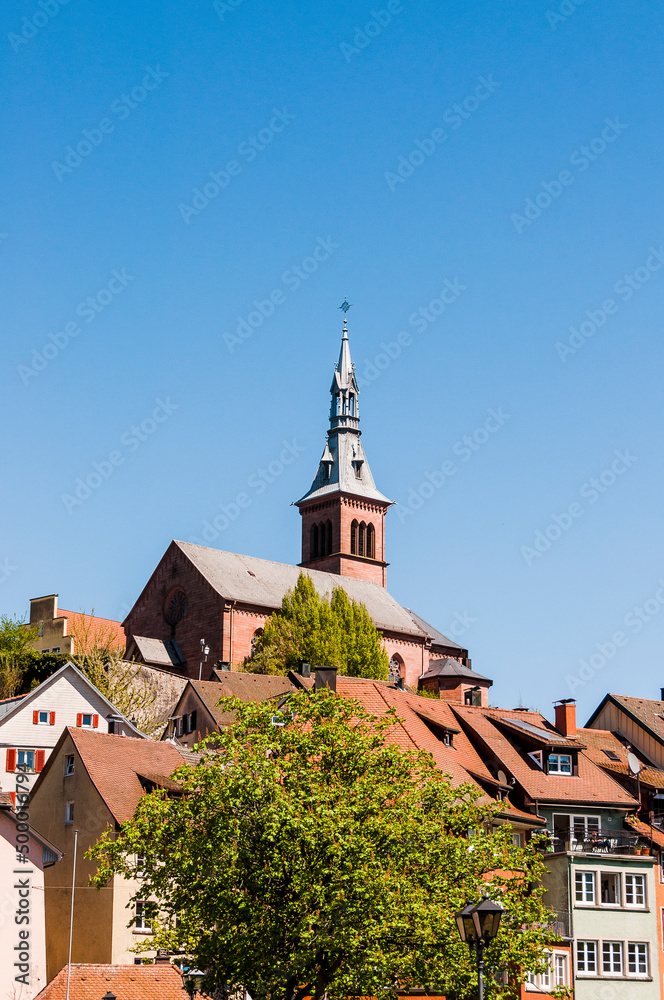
(127, 982)
(645, 711)
(262, 583)
(491, 731)
(238, 684)
(423, 722)
(115, 765)
(449, 667)
(437, 638)
(603, 747)
(70, 668)
(105, 629)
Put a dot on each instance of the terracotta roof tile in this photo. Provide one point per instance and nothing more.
(92, 627)
(600, 740)
(128, 982)
(114, 764)
(591, 785)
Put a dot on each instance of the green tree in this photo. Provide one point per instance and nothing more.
(19, 661)
(337, 633)
(313, 857)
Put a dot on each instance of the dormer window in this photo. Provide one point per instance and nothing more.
(357, 465)
(560, 763)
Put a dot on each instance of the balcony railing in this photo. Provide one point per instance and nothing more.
(601, 842)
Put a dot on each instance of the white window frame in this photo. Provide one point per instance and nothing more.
(616, 950)
(69, 758)
(635, 905)
(44, 721)
(588, 880)
(84, 724)
(589, 948)
(141, 925)
(636, 945)
(560, 962)
(618, 878)
(559, 757)
(69, 812)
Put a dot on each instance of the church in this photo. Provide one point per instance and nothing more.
(197, 592)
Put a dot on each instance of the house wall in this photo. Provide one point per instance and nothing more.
(93, 908)
(11, 873)
(614, 719)
(68, 695)
(43, 611)
(603, 923)
(205, 723)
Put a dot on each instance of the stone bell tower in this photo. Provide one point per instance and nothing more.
(343, 514)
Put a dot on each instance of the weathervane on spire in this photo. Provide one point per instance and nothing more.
(345, 305)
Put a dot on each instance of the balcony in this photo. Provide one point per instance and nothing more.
(599, 842)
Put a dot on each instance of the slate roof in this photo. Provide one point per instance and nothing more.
(159, 652)
(114, 764)
(591, 786)
(437, 638)
(128, 982)
(263, 583)
(449, 667)
(648, 712)
(600, 740)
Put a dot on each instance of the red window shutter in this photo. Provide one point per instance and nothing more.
(13, 798)
(79, 719)
(11, 760)
(41, 756)
(95, 721)
(51, 718)
(35, 718)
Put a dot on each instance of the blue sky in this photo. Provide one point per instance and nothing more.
(510, 152)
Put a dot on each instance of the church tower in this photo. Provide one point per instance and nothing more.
(343, 514)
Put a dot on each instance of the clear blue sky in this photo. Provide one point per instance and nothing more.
(305, 124)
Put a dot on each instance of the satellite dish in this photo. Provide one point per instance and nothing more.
(502, 777)
(633, 763)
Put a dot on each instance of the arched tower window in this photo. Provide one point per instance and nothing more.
(314, 541)
(351, 405)
(361, 534)
(371, 541)
(328, 538)
(353, 538)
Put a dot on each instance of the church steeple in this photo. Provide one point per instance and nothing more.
(343, 513)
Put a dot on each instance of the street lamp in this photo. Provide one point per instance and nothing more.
(192, 980)
(478, 924)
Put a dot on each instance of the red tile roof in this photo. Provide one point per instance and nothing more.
(423, 722)
(591, 785)
(650, 833)
(91, 627)
(599, 740)
(114, 764)
(128, 982)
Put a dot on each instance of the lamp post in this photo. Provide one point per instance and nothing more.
(204, 655)
(192, 980)
(478, 924)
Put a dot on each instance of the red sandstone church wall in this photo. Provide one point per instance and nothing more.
(415, 657)
(203, 618)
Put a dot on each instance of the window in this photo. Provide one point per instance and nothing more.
(516, 839)
(86, 720)
(43, 718)
(144, 913)
(45, 650)
(371, 541)
(586, 957)
(191, 722)
(69, 813)
(56, 649)
(635, 890)
(140, 862)
(610, 889)
(313, 542)
(360, 538)
(611, 754)
(637, 959)
(560, 970)
(541, 982)
(69, 763)
(25, 760)
(584, 887)
(560, 763)
(353, 538)
(328, 538)
(585, 827)
(612, 960)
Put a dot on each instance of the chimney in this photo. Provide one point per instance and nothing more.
(325, 677)
(566, 716)
(661, 694)
(303, 669)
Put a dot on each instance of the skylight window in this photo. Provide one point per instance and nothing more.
(611, 754)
